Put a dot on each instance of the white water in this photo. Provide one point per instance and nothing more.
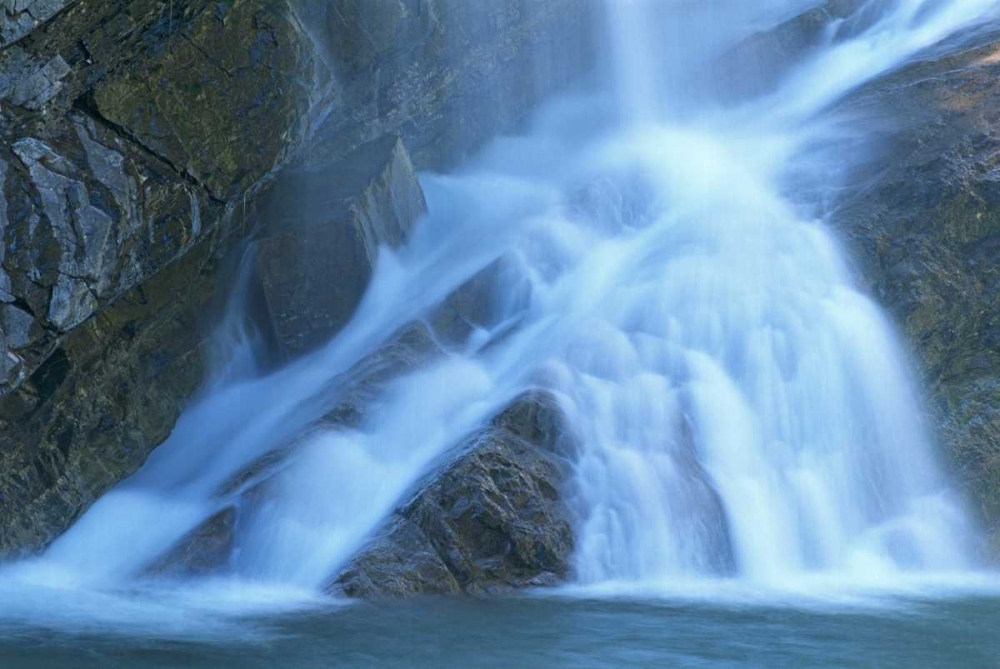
(741, 408)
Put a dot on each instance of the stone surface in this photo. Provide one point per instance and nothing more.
(444, 74)
(20, 17)
(321, 235)
(492, 519)
(135, 139)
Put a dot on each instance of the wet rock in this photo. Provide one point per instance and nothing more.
(756, 64)
(924, 221)
(492, 300)
(444, 74)
(204, 550)
(19, 17)
(208, 548)
(492, 519)
(135, 138)
(321, 237)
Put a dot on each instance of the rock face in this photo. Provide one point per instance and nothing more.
(492, 519)
(129, 130)
(322, 231)
(756, 65)
(135, 138)
(444, 74)
(925, 222)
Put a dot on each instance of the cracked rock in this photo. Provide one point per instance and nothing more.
(20, 17)
(6, 291)
(83, 232)
(18, 325)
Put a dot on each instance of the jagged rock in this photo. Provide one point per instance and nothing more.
(493, 519)
(924, 221)
(19, 326)
(113, 249)
(323, 230)
(20, 17)
(135, 136)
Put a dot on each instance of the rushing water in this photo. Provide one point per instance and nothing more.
(748, 432)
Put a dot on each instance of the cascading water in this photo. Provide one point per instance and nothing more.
(741, 409)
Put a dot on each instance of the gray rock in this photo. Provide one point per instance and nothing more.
(20, 17)
(6, 288)
(322, 235)
(82, 231)
(446, 75)
(756, 64)
(20, 326)
(145, 134)
(493, 519)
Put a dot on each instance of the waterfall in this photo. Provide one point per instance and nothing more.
(741, 408)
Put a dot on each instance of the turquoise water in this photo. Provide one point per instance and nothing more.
(908, 632)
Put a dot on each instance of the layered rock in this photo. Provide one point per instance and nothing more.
(492, 519)
(107, 210)
(134, 137)
(924, 220)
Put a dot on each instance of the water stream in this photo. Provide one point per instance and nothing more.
(746, 418)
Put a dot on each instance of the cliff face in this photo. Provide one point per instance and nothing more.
(135, 137)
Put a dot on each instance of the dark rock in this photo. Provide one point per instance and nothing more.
(492, 519)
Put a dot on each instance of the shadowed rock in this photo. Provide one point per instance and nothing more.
(204, 550)
(322, 234)
(492, 519)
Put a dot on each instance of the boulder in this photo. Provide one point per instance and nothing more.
(206, 549)
(492, 519)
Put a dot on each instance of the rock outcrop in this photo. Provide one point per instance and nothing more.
(135, 138)
(492, 519)
(321, 236)
(924, 220)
